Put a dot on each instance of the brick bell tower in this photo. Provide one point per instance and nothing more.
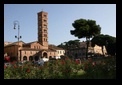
(43, 29)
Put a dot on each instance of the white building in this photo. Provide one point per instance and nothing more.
(60, 51)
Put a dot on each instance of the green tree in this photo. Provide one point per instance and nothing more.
(61, 46)
(73, 44)
(99, 40)
(105, 40)
(85, 29)
(110, 44)
(70, 45)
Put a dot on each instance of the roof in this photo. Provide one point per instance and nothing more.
(42, 12)
(19, 41)
(30, 42)
(13, 44)
(7, 43)
(51, 50)
(54, 47)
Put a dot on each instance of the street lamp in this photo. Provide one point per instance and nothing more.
(18, 37)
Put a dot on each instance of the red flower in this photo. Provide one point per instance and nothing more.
(77, 61)
(20, 66)
(62, 62)
(4, 66)
(15, 66)
(40, 67)
(28, 70)
(7, 58)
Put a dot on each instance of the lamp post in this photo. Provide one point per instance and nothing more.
(18, 37)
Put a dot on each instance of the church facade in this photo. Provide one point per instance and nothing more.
(36, 49)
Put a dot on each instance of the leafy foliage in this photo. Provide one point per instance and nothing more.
(85, 29)
(64, 69)
(71, 44)
(105, 40)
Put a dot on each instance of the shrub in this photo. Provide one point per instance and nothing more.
(63, 69)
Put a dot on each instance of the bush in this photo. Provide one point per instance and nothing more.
(102, 69)
(63, 69)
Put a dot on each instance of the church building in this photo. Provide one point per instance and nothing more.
(36, 49)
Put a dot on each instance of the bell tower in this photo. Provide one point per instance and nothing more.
(43, 28)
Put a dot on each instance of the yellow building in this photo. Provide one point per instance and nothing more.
(81, 51)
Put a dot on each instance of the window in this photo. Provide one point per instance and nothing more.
(25, 52)
(45, 20)
(45, 35)
(40, 40)
(34, 46)
(45, 16)
(39, 35)
(54, 56)
(45, 31)
(39, 16)
(60, 52)
(39, 26)
(39, 20)
(45, 26)
(24, 58)
(30, 52)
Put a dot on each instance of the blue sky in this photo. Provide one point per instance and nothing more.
(60, 19)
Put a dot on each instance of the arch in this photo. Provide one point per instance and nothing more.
(54, 57)
(25, 58)
(50, 57)
(36, 58)
(45, 54)
(30, 58)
